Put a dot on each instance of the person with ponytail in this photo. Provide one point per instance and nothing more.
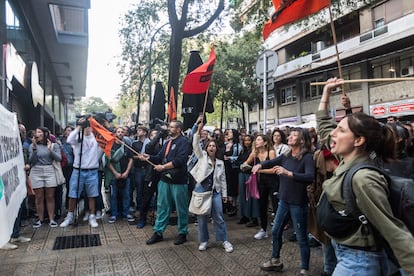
(360, 138)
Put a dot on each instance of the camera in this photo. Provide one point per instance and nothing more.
(100, 117)
(157, 124)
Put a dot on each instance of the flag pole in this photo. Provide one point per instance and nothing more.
(134, 151)
(367, 80)
(205, 102)
(336, 49)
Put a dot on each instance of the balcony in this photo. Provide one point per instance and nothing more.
(393, 31)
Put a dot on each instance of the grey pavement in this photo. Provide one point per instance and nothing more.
(124, 252)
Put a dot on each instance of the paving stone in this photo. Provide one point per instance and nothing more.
(124, 252)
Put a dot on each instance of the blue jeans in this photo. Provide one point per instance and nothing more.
(220, 229)
(329, 258)
(139, 177)
(125, 198)
(358, 262)
(299, 217)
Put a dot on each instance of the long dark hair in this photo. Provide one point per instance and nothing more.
(217, 155)
(379, 138)
(46, 135)
(282, 136)
(306, 146)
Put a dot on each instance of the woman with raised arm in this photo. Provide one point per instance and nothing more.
(209, 174)
(360, 138)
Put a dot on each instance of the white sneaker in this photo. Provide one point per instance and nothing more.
(262, 234)
(228, 246)
(92, 221)
(20, 239)
(68, 220)
(86, 216)
(203, 246)
(9, 246)
(99, 214)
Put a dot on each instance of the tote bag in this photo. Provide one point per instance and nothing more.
(252, 187)
(60, 178)
(200, 203)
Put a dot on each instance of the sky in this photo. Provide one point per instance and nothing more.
(104, 52)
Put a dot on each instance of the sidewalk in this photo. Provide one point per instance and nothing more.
(124, 252)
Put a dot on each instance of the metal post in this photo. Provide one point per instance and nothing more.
(264, 93)
(150, 71)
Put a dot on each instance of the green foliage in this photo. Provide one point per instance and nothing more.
(234, 71)
(89, 105)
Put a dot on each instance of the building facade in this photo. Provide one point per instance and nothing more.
(44, 61)
(374, 41)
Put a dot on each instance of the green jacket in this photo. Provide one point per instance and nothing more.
(371, 194)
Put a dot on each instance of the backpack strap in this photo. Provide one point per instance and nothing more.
(348, 193)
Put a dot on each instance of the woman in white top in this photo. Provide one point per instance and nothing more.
(279, 142)
(209, 174)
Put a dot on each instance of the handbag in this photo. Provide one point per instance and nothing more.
(60, 178)
(251, 187)
(200, 203)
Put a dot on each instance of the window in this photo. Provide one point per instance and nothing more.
(69, 20)
(270, 101)
(288, 94)
(312, 91)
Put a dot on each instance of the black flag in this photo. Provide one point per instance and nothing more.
(192, 105)
(158, 103)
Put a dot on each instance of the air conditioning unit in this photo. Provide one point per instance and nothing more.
(407, 71)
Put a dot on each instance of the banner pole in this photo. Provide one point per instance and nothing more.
(367, 80)
(336, 49)
(205, 102)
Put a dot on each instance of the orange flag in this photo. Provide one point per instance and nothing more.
(172, 108)
(104, 137)
(288, 11)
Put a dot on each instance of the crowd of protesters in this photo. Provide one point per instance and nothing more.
(154, 171)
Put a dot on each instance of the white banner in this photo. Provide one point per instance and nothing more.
(12, 174)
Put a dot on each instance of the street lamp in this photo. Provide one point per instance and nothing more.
(149, 76)
(150, 64)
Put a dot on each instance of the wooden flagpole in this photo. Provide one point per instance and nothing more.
(367, 80)
(336, 49)
(205, 102)
(134, 151)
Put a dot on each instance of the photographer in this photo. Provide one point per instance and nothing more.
(85, 170)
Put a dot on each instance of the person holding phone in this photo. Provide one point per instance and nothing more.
(42, 153)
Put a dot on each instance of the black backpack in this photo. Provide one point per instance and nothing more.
(343, 223)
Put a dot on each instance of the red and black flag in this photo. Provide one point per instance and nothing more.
(288, 11)
(198, 80)
(193, 103)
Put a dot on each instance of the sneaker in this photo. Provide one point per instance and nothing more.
(262, 234)
(99, 214)
(243, 220)
(303, 272)
(92, 221)
(20, 239)
(141, 224)
(156, 237)
(9, 246)
(203, 246)
(37, 224)
(181, 238)
(228, 246)
(112, 219)
(86, 216)
(53, 224)
(130, 218)
(272, 265)
(68, 220)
